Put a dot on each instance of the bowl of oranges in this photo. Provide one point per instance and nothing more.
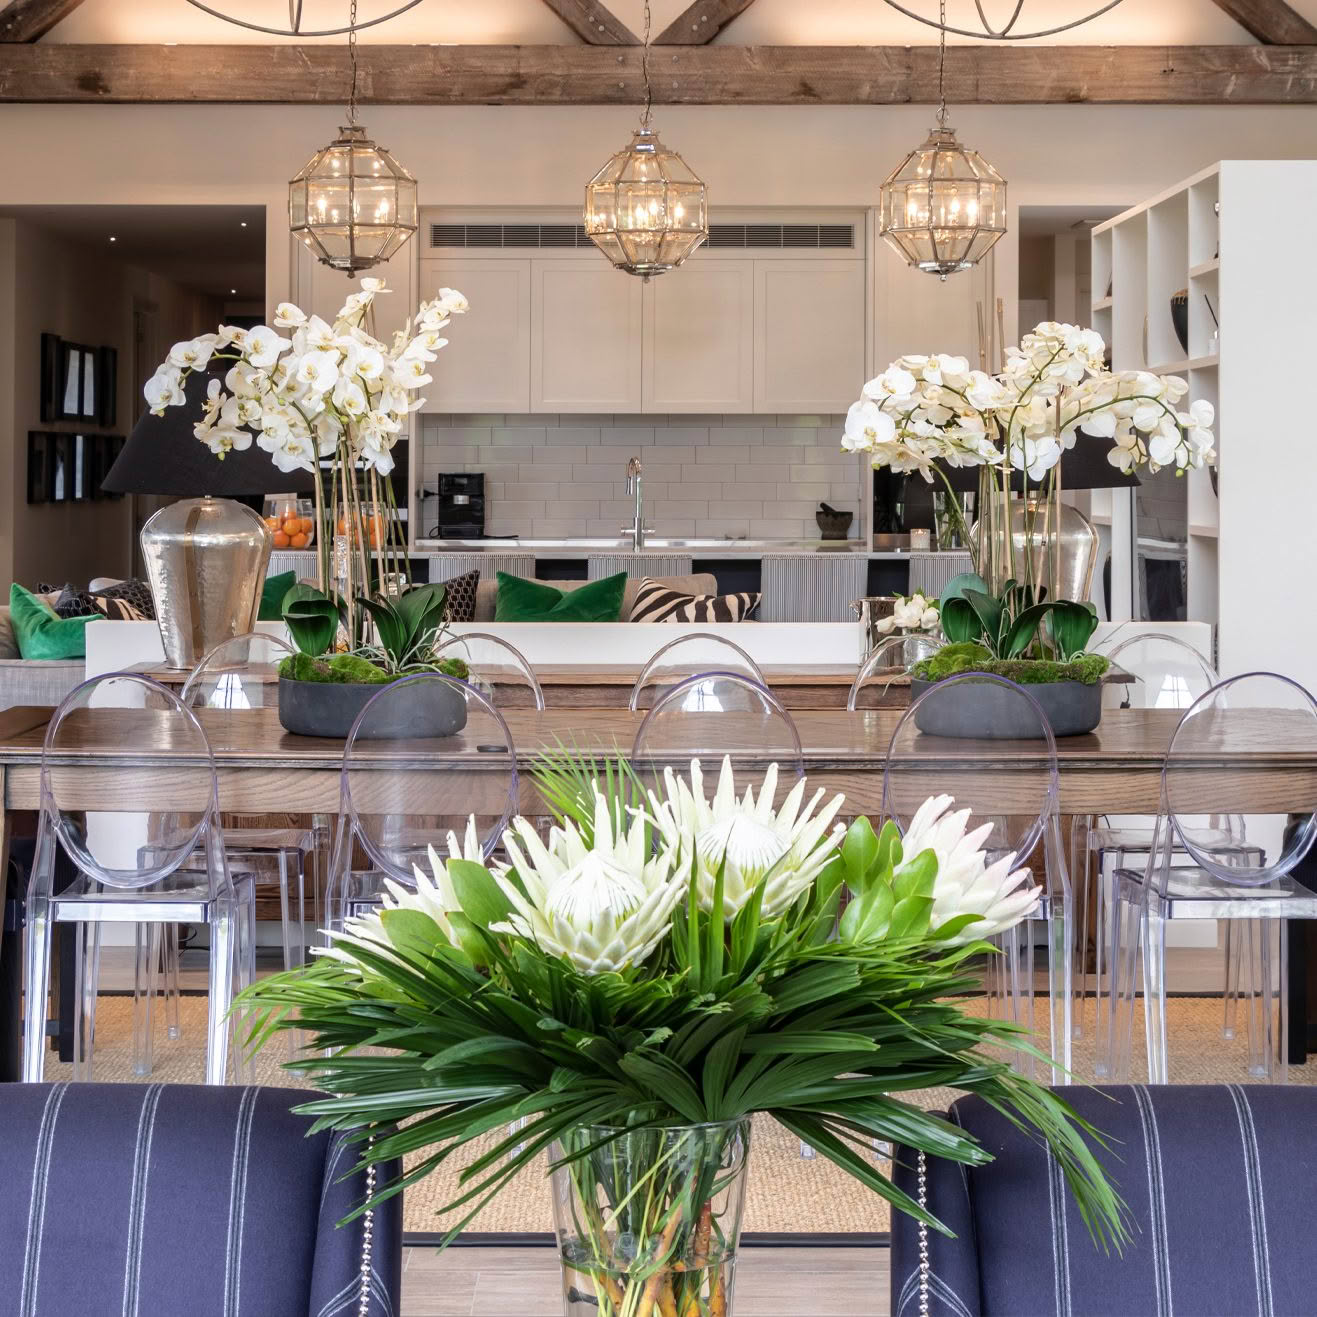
(291, 521)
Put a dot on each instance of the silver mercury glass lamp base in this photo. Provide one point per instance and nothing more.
(206, 560)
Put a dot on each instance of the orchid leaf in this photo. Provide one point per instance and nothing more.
(960, 623)
(1073, 625)
(1023, 630)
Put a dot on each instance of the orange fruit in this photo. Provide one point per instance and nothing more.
(292, 525)
(299, 541)
(307, 523)
(281, 541)
(272, 522)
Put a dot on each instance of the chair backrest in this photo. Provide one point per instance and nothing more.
(239, 673)
(1215, 1179)
(715, 715)
(1167, 672)
(197, 1208)
(1012, 782)
(424, 754)
(1254, 713)
(111, 734)
(691, 653)
(890, 657)
(498, 669)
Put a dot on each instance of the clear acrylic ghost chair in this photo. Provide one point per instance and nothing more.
(715, 715)
(1012, 783)
(401, 793)
(690, 653)
(1252, 713)
(498, 669)
(1166, 673)
(237, 676)
(109, 735)
(891, 657)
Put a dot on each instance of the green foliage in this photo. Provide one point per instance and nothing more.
(339, 669)
(1016, 624)
(1087, 668)
(312, 619)
(1072, 625)
(960, 623)
(407, 626)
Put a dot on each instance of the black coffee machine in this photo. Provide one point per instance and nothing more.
(462, 506)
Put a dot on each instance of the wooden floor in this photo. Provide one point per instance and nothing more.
(524, 1282)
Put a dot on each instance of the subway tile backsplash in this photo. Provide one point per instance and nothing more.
(556, 476)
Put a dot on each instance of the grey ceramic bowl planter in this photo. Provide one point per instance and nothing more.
(322, 708)
(993, 712)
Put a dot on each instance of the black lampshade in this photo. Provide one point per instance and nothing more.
(1084, 466)
(164, 456)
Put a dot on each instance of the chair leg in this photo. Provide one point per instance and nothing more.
(1126, 936)
(1106, 913)
(1154, 996)
(1080, 827)
(1231, 1012)
(173, 955)
(222, 949)
(1282, 1052)
(1060, 992)
(84, 1024)
(144, 986)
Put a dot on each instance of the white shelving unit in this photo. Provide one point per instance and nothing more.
(1221, 236)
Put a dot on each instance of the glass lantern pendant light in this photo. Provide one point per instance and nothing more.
(944, 206)
(645, 209)
(352, 203)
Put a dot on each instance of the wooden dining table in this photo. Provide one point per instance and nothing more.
(1262, 761)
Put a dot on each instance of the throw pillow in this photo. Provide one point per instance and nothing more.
(42, 635)
(137, 594)
(272, 596)
(128, 601)
(460, 597)
(656, 602)
(520, 600)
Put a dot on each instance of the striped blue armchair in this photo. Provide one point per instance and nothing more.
(145, 1200)
(1221, 1183)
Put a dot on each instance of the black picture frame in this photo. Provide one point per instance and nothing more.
(111, 445)
(81, 467)
(107, 387)
(59, 483)
(50, 364)
(38, 466)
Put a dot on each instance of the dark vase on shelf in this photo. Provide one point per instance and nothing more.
(1180, 317)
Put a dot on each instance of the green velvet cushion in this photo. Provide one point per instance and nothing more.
(272, 596)
(520, 600)
(42, 635)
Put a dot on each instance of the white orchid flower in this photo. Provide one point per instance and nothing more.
(193, 354)
(867, 426)
(164, 389)
(603, 906)
(318, 370)
(966, 883)
(288, 316)
(781, 850)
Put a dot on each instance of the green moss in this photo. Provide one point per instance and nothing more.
(346, 669)
(454, 667)
(1086, 668)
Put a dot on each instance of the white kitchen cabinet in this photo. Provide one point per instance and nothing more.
(916, 312)
(586, 337)
(699, 338)
(486, 366)
(809, 335)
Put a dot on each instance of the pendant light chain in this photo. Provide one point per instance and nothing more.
(352, 62)
(941, 65)
(644, 69)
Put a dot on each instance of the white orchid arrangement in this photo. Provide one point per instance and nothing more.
(668, 955)
(315, 391)
(924, 410)
(915, 612)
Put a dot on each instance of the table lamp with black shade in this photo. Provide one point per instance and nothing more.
(205, 555)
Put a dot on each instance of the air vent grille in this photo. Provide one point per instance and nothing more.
(795, 237)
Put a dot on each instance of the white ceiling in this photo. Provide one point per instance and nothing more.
(1041, 221)
(769, 22)
(205, 248)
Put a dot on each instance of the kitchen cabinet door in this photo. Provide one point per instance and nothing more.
(809, 335)
(585, 340)
(320, 290)
(699, 338)
(486, 366)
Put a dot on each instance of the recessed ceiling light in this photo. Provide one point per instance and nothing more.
(242, 224)
(113, 238)
(233, 292)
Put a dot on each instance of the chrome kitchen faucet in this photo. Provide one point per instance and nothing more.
(635, 474)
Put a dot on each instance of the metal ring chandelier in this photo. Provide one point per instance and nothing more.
(1007, 32)
(295, 28)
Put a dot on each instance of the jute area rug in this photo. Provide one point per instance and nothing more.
(786, 1193)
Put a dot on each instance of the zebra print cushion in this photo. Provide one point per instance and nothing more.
(656, 602)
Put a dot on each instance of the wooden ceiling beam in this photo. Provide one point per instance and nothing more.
(30, 20)
(687, 75)
(699, 23)
(1270, 21)
(594, 23)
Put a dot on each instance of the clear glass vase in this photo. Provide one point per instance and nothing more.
(648, 1221)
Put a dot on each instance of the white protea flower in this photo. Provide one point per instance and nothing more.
(966, 883)
(783, 850)
(604, 905)
(433, 895)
